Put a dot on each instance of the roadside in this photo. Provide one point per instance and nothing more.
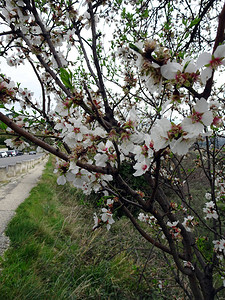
(14, 159)
(12, 195)
(55, 254)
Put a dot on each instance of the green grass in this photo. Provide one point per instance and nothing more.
(54, 254)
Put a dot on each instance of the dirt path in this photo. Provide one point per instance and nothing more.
(12, 195)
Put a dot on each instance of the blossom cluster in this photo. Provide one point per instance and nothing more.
(81, 178)
(6, 90)
(174, 230)
(151, 220)
(220, 186)
(156, 68)
(10, 91)
(219, 248)
(189, 223)
(106, 216)
(143, 114)
(16, 143)
(188, 264)
(210, 210)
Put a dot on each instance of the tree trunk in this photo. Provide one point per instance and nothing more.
(195, 288)
(202, 285)
(207, 284)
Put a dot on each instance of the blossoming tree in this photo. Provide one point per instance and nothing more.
(130, 85)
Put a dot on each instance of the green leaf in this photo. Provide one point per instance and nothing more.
(184, 22)
(66, 78)
(194, 22)
(135, 48)
(3, 125)
(145, 14)
(123, 14)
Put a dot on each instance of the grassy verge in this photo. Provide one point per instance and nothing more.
(54, 254)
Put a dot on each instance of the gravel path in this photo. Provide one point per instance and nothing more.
(12, 195)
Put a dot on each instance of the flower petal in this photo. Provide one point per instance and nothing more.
(207, 118)
(203, 59)
(170, 69)
(61, 180)
(191, 68)
(201, 106)
(206, 74)
(220, 51)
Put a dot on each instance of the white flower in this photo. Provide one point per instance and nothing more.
(200, 117)
(151, 220)
(9, 143)
(165, 133)
(159, 133)
(141, 217)
(96, 221)
(174, 224)
(61, 180)
(182, 145)
(219, 246)
(132, 117)
(101, 159)
(182, 74)
(210, 210)
(188, 224)
(110, 202)
(70, 176)
(211, 62)
(208, 196)
(174, 231)
(170, 70)
(188, 264)
(150, 73)
(160, 285)
(81, 178)
(106, 217)
(141, 167)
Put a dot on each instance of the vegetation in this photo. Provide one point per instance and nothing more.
(131, 106)
(54, 254)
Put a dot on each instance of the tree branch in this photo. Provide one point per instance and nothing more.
(92, 168)
(32, 138)
(44, 31)
(219, 39)
(193, 33)
(108, 110)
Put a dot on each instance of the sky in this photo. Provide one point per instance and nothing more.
(23, 74)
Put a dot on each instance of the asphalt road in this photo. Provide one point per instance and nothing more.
(13, 194)
(5, 161)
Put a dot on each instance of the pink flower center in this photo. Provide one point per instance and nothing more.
(215, 62)
(66, 104)
(151, 145)
(196, 117)
(112, 157)
(144, 167)
(175, 132)
(145, 150)
(217, 121)
(76, 130)
(125, 136)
